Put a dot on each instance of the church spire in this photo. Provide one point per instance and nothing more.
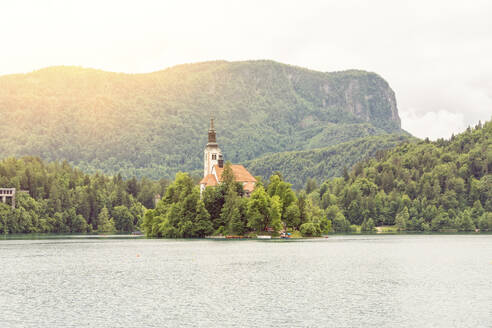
(211, 132)
(212, 153)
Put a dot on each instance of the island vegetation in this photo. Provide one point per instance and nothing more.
(426, 186)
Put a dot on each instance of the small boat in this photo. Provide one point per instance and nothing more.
(264, 237)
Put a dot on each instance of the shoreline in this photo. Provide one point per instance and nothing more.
(47, 236)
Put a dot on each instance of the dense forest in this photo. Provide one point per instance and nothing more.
(416, 186)
(154, 125)
(323, 163)
(438, 186)
(59, 198)
(425, 186)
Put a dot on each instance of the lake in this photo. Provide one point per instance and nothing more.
(341, 281)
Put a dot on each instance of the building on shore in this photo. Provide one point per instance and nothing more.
(8, 193)
(213, 166)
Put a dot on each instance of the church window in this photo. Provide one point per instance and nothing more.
(214, 156)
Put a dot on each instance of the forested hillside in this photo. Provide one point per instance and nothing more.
(439, 186)
(416, 186)
(421, 186)
(155, 124)
(298, 167)
(59, 198)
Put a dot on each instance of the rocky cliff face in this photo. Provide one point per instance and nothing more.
(365, 95)
(155, 124)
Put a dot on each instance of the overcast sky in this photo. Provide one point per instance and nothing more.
(435, 54)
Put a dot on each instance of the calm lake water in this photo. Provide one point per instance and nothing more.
(342, 281)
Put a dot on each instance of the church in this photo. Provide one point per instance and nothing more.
(213, 166)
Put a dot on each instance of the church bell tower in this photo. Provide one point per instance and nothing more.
(212, 152)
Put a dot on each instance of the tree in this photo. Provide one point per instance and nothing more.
(311, 185)
(79, 224)
(6, 215)
(230, 214)
(275, 213)
(466, 221)
(292, 216)
(354, 212)
(150, 224)
(123, 219)
(202, 225)
(340, 223)
(132, 187)
(214, 199)
(325, 225)
(167, 230)
(310, 229)
(328, 200)
(477, 211)
(402, 219)
(239, 224)
(441, 221)
(76, 223)
(485, 222)
(345, 174)
(104, 222)
(302, 205)
(258, 210)
(228, 180)
(367, 225)
(283, 190)
(325, 187)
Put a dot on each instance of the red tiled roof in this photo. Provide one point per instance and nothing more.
(239, 171)
(240, 175)
(209, 180)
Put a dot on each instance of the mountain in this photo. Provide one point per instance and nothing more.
(156, 124)
(323, 163)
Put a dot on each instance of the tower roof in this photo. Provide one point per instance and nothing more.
(211, 132)
(209, 180)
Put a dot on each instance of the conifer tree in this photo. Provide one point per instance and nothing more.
(202, 225)
(402, 219)
(275, 213)
(230, 214)
(104, 222)
(258, 209)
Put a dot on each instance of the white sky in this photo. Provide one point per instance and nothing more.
(435, 54)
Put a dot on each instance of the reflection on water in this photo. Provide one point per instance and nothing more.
(342, 281)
